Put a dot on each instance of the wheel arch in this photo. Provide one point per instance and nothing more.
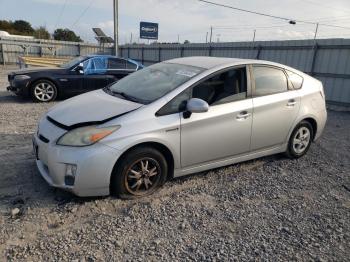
(309, 118)
(36, 80)
(156, 145)
(313, 123)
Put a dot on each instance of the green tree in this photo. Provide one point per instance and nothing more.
(66, 35)
(23, 27)
(5, 25)
(42, 33)
(186, 42)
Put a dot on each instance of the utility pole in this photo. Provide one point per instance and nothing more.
(316, 31)
(206, 38)
(211, 33)
(131, 38)
(254, 36)
(115, 16)
(178, 39)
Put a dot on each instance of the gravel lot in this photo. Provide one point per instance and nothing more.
(268, 209)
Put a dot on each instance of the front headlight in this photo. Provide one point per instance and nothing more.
(85, 136)
(21, 77)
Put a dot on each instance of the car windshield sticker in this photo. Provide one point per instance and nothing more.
(187, 73)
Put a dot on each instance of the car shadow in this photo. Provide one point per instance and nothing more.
(246, 165)
(22, 184)
(8, 97)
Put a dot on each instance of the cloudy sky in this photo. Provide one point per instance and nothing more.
(188, 19)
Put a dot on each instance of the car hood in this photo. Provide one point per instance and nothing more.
(89, 108)
(36, 70)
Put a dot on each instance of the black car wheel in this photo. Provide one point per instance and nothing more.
(139, 173)
(43, 91)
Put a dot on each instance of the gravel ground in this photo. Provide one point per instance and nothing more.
(268, 209)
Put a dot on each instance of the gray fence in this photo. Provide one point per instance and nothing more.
(326, 59)
(12, 48)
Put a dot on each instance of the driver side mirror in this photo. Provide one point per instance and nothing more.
(80, 68)
(196, 105)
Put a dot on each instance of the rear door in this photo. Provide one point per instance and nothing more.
(118, 68)
(275, 105)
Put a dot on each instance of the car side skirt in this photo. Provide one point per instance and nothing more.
(229, 161)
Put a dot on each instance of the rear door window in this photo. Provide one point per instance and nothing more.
(130, 65)
(269, 80)
(116, 64)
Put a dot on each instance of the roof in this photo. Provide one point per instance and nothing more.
(209, 62)
(112, 56)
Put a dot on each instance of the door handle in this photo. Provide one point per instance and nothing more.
(243, 115)
(291, 102)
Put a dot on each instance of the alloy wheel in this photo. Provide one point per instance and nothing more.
(301, 140)
(142, 176)
(44, 91)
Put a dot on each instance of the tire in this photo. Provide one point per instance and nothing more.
(139, 173)
(43, 91)
(300, 140)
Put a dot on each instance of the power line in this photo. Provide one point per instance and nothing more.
(244, 27)
(292, 21)
(60, 15)
(82, 13)
(245, 10)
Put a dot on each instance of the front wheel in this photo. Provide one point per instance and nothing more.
(43, 91)
(300, 140)
(139, 173)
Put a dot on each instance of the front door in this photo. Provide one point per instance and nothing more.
(225, 130)
(275, 107)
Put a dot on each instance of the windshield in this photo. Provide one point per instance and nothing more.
(73, 62)
(153, 82)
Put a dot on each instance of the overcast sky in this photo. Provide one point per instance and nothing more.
(190, 19)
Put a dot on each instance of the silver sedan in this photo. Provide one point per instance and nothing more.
(174, 118)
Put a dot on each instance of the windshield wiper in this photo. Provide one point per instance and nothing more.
(123, 95)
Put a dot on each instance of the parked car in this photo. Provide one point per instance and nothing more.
(82, 74)
(174, 118)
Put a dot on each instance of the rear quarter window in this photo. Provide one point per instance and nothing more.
(295, 80)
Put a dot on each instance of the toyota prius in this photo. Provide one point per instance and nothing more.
(175, 118)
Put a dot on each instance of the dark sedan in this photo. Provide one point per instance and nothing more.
(77, 76)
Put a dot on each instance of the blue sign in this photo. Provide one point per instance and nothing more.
(148, 30)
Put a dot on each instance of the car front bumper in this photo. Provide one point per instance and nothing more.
(19, 87)
(94, 166)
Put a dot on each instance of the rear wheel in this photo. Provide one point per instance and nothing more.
(43, 91)
(300, 140)
(139, 173)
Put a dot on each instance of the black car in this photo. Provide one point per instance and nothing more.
(77, 76)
